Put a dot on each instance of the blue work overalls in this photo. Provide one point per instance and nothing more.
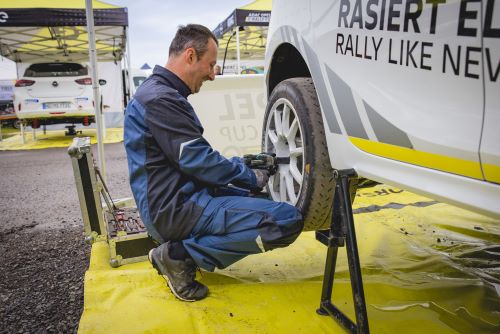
(180, 184)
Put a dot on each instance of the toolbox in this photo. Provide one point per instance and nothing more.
(116, 222)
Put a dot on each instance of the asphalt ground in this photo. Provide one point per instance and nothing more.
(43, 257)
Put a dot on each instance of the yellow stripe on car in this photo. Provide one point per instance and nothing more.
(491, 172)
(430, 160)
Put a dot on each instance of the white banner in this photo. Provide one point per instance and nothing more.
(231, 109)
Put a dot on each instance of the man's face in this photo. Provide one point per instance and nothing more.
(202, 69)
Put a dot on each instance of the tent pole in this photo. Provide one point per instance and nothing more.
(238, 49)
(95, 85)
(129, 70)
(22, 132)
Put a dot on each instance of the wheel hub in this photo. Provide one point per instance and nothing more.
(284, 137)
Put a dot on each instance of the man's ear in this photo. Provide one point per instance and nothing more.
(190, 55)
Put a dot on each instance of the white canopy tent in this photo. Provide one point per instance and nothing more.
(243, 34)
(66, 30)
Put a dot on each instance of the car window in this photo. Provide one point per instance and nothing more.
(138, 81)
(56, 70)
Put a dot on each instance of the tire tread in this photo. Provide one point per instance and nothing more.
(315, 201)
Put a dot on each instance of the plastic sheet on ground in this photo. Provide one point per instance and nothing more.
(427, 268)
(54, 139)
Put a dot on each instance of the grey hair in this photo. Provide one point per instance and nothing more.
(193, 36)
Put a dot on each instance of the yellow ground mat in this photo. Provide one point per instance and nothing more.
(55, 138)
(427, 268)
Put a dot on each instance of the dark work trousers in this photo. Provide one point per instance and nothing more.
(232, 227)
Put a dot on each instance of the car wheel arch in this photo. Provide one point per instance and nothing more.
(286, 63)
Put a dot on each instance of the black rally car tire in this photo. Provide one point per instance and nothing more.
(316, 190)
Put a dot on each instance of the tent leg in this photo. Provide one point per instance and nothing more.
(238, 49)
(95, 84)
(23, 138)
(44, 129)
(0, 130)
(129, 67)
(34, 133)
(103, 129)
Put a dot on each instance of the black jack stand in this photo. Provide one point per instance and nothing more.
(71, 130)
(340, 234)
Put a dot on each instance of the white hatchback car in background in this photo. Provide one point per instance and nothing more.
(138, 77)
(405, 92)
(54, 93)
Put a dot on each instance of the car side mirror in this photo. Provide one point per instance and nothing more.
(102, 82)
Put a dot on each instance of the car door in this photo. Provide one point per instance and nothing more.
(406, 78)
(490, 141)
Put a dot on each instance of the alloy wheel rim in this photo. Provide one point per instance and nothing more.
(284, 137)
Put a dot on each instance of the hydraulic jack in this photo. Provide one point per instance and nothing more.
(340, 234)
(71, 130)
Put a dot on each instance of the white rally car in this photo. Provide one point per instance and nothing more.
(55, 93)
(406, 92)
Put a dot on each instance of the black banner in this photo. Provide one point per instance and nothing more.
(49, 17)
(252, 17)
(243, 18)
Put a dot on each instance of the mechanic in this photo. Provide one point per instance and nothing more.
(193, 201)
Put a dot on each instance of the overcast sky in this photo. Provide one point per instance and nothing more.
(153, 24)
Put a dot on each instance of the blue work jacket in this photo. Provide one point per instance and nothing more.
(173, 170)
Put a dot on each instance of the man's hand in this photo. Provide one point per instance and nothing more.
(262, 176)
(267, 161)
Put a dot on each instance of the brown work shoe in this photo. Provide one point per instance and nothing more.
(179, 274)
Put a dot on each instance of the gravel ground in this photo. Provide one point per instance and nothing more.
(43, 256)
